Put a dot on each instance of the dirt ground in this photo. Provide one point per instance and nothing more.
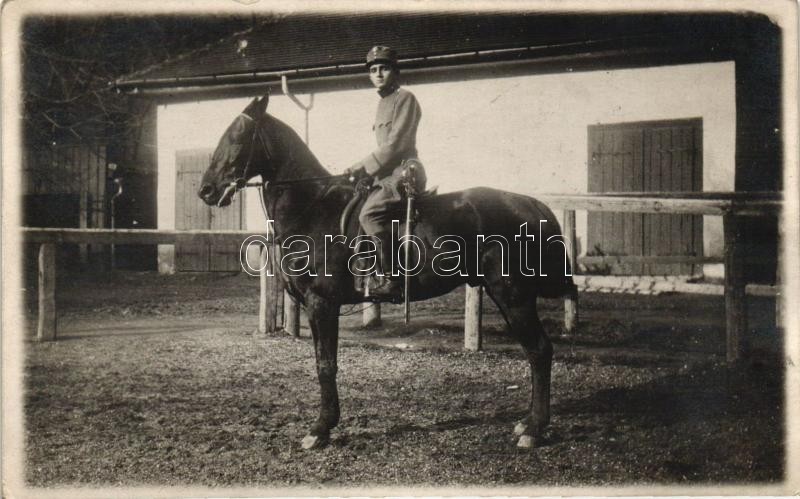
(162, 380)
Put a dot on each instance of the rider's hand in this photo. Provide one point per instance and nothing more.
(355, 171)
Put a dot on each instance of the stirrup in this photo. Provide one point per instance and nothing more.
(381, 293)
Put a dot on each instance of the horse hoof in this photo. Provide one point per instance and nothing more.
(313, 442)
(520, 428)
(525, 442)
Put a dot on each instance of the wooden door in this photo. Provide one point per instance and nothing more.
(664, 156)
(225, 257)
(192, 213)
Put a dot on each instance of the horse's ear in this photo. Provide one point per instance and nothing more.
(266, 97)
(259, 106)
(250, 109)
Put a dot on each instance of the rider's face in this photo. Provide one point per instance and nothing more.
(382, 75)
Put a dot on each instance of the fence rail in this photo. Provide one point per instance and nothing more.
(133, 236)
(731, 206)
(619, 259)
(738, 205)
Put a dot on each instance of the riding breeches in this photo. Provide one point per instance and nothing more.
(385, 202)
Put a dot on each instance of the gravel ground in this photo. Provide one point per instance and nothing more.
(161, 380)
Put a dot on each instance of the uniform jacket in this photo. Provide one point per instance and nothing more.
(395, 130)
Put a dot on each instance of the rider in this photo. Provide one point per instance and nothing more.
(395, 130)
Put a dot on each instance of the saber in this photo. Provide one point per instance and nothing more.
(410, 193)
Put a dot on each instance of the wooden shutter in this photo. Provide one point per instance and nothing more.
(646, 157)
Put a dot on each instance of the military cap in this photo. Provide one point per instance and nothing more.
(380, 53)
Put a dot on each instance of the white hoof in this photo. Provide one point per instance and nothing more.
(520, 428)
(525, 442)
(311, 442)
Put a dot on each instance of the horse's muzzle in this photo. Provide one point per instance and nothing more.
(208, 194)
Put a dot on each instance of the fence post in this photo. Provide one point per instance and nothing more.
(263, 297)
(779, 311)
(571, 243)
(83, 218)
(372, 315)
(46, 330)
(270, 293)
(291, 315)
(735, 300)
(472, 318)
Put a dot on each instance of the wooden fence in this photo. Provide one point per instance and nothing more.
(48, 238)
(731, 207)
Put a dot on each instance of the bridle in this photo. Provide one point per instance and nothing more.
(241, 180)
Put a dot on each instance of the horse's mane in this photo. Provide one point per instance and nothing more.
(285, 137)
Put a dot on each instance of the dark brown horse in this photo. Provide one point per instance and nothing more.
(480, 236)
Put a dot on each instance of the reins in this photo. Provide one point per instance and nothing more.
(328, 178)
(241, 182)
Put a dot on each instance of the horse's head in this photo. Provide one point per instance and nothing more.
(240, 156)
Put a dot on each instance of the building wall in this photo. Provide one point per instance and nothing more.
(525, 134)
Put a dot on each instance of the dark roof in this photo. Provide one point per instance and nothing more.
(313, 41)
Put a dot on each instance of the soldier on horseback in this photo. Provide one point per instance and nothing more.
(395, 129)
(297, 189)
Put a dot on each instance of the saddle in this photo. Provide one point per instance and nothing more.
(348, 221)
(350, 226)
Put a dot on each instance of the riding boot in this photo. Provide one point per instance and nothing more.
(391, 288)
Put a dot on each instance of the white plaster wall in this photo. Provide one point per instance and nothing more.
(526, 134)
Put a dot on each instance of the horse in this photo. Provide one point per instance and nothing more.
(305, 201)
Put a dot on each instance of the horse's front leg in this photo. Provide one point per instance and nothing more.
(323, 317)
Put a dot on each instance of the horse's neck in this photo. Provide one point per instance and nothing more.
(300, 164)
(296, 159)
(297, 208)
(306, 208)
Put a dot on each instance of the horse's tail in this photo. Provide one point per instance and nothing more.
(556, 266)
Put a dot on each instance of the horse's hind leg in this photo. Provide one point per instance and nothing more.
(519, 310)
(540, 357)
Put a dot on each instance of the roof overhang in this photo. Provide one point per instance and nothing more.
(590, 55)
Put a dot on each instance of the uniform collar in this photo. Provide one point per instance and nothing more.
(389, 90)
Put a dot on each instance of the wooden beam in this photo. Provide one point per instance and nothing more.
(735, 300)
(135, 236)
(712, 195)
(371, 317)
(271, 287)
(264, 303)
(619, 259)
(754, 289)
(780, 314)
(571, 243)
(291, 315)
(46, 330)
(660, 205)
(473, 340)
(83, 217)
